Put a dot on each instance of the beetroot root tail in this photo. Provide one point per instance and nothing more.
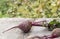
(9, 29)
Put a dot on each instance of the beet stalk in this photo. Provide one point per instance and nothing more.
(39, 23)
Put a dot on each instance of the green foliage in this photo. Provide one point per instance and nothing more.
(54, 24)
(30, 8)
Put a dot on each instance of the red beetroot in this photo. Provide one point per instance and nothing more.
(56, 33)
(24, 26)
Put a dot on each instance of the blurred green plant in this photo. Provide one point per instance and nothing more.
(30, 8)
(53, 24)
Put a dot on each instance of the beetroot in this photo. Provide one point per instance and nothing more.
(24, 26)
(56, 32)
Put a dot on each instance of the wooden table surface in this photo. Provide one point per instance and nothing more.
(6, 23)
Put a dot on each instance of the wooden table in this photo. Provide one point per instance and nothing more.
(6, 23)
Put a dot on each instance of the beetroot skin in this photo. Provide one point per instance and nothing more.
(24, 26)
(56, 32)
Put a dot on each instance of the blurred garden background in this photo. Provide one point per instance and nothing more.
(30, 8)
